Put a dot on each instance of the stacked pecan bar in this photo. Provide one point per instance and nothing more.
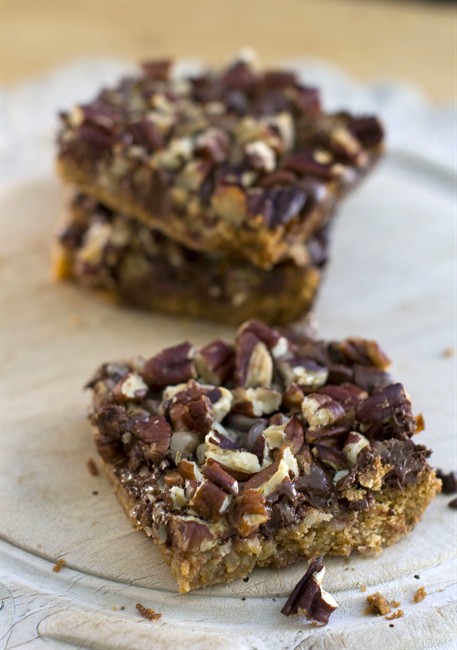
(257, 453)
(211, 195)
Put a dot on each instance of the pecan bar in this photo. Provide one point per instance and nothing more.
(238, 161)
(143, 268)
(257, 453)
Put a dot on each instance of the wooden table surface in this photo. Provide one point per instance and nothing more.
(413, 41)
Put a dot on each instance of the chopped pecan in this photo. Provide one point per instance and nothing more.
(261, 156)
(173, 478)
(293, 397)
(189, 534)
(327, 434)
(355, 443)
(209, 501)
(213, 143)
(303, 372)
(233, 459)
(217, 474)
(370, 379)
(309, 598)
(214, 362)
(183, 444)
(146, 134)
(294, 435)
(247, 512)
(321, 410)
(171, 366)
(255, 402)
(189, 470)
(111, 421)
(330, 456)
(130, 388)
(386, 413)
(190, 412)
(155, 432)
(362, 351)
(267, 480)
(254, 365)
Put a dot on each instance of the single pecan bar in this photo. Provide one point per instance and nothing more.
(238, 160)
(257, 453)
(141, 267)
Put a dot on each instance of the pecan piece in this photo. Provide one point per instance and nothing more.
(130, 388)
(294, 435)
(217, 474)
(155, 432)
(309, 598)
(214, 362)
(247, 512)
(386, 413)
(189, 413)
(190, 535)
(255, 402)
(171, 366)
(355, 443)
(209, 501)
(303, 372)
(321, 410)
(362, 351)
(183, 444)
(253, 365)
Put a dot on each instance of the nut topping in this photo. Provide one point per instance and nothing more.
(321, 410)
(248, 512)
(255, 402)
(209, 501)
(172, 366)
(309, 598)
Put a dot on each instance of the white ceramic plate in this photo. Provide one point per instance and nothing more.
(392, 277)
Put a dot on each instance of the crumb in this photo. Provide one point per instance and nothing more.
(363, 588)
(243, 598)
(122, 607)
(58, 565)
(377, 604)
(391, 625)
(453, 503)
(395, 603)
(147, 612)
(417, 577)
(94, 492)
(398, 614)
(448, 352)
(419, 595)
(92, 467)
(246, 579)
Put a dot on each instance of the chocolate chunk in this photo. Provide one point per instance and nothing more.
(309, 598)
(448, 480)
(453, 504)
(406, 458)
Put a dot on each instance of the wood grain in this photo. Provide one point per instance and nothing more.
(414, 41)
